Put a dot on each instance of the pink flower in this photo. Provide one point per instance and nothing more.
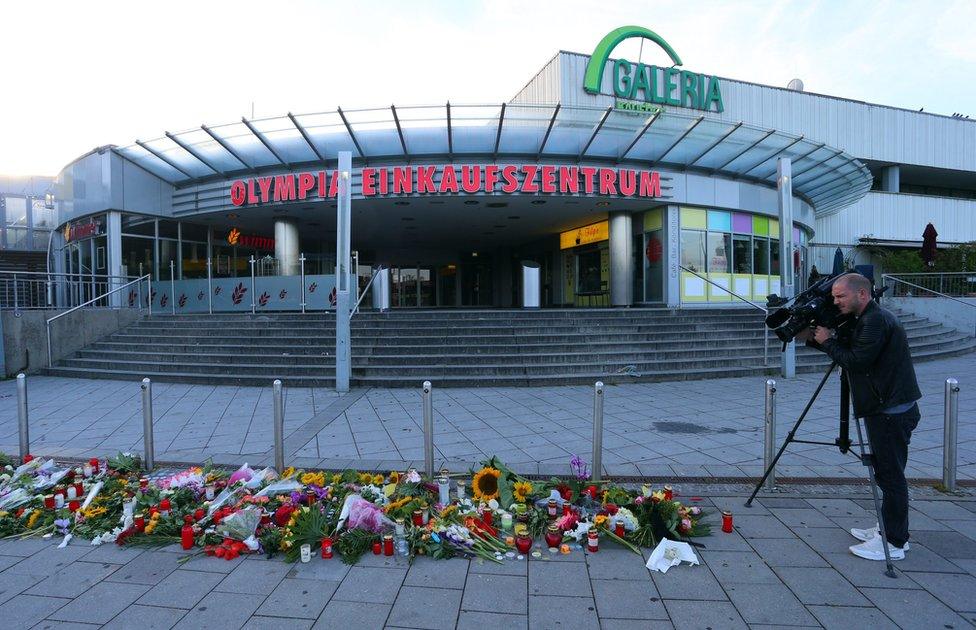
(685, 526)
(567, 521)
(639, 500)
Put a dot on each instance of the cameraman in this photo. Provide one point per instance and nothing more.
(884, 390)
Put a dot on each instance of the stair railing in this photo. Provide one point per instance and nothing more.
(147, 277)
(765, 335)
(365, 290)
(886, 277)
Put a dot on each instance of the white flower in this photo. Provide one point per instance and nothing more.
(413, 476)
(579, 533)
(493, 504)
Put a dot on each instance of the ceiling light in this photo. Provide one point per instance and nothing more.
(401, 203)
(538, 202)
(515, 217)
(471, 202)
(602, 204)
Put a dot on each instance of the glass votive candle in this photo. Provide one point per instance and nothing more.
(523, 544)
(306, 551)
(727, 521)
(506, 521)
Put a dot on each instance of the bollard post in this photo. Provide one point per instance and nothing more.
(769, 437)
(598, 431)
(172, 288)
(209, 287)
(147, 425)
(252, 261)
(428, 430)
(279, 426)
(951, 434)
(22, 416)
(301, 260)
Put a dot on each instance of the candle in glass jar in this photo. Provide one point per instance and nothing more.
(459, 488)
(93, 462)
(554, 536)
(727, 521)
(552, 508)
(79, 489)
(668, 493)
(326, 548)
(186, 534)
(74, 506)
(377, 548)
(87, 470)
(619, 528)
(306, 551)
(71, 492)
(400, 531)
(144, 483)
(58, 501)
(139, 521)
(443, 490)
(418, 518)
(592, 541)
(523, 544)
(388, 544)
(165, 506)
(506, 520)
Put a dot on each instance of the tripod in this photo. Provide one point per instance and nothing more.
(843, 442)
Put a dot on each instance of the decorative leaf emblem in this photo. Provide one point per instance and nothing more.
(263, 300)
(182, 301)
(333, 297)
(163, 300)
(217, 291)
(312, 287)
(200, 295)
(238, 295)
(282, 295)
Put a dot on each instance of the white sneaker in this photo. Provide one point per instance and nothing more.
(872, 550)
(865, 535)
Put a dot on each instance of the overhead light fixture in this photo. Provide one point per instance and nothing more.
(401, 203)
(232, 215)
(474, 254)
(514, 217)
(471, 202)
(538, 202)
(602, 204)
(406, 218)
(496, 204)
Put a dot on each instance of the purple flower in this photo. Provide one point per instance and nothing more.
(296, 498)
(580, 468)
(62, 524)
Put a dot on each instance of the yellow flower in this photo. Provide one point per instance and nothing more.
(2, 513)
(600, 520)
(485, 484)
(92, 512)
(288, 472)
(377, 479)
(365, 478)
(35, 515)
(394, 477)
(336, 477)
(317, 479)
(448, 511)
(521, 490)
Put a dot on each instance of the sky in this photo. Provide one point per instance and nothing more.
(78, 75)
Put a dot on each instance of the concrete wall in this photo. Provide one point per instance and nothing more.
(947, 312)
(25, 335)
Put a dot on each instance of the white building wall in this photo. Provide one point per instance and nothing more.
(895, 216)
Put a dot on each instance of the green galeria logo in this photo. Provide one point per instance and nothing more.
(649, 83)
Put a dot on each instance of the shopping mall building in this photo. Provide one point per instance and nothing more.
(628, 183)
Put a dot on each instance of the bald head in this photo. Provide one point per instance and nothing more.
(851, 293)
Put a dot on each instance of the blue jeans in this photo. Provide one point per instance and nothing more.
(889, 436)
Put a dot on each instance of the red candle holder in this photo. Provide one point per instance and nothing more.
(554, 536)
(523, 544)
(165, 506)
(592, 541)
(619, 529)
(668, 493)
(326, 548)
(186, 536)
(144, 483)
(49, 501)
(74, 506)
(418, 518)
(727, 521)
(93, 462)
(27, 458)
(79, 488)
(139, 522)
(566, 509)
(377, 548)
(199, 514)
(552, 508)
(388, 545)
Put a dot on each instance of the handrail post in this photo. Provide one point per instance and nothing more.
(172, 288)
(252, 261)
(428, 401)
(16, 298)
(598, 431)
(149, 289)
(950, 437)
(209, 286)
(22, 424)
(279, 426)
(149, 458)
(301, 260)
(769, 434)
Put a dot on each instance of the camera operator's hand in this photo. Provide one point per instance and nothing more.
(821, 334)
(804, 335)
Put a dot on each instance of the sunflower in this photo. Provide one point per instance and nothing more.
(377, 479)
(521, 490)
(288, 472)
(485, 484)
(394, 477)
(600, 520)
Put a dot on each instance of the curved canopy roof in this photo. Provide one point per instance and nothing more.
(827, 177)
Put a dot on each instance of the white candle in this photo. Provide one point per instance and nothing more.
(506, 521)
(88, 470)
(59, 501)
(210, 493)
(72, 493)
(306, 552)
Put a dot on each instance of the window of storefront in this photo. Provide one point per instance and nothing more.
(16, 211)
(653, 256)
(138, 256)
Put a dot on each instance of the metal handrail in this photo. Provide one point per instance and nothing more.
(765, 336)
(50, 362)
(365, 290)
(886, 276)
(62, 274)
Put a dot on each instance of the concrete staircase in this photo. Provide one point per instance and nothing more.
(460, 348)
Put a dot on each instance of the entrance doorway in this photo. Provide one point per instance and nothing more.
(412, 286)
(476, 288)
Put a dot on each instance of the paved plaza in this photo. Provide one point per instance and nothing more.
(786, 564)
(706, 428)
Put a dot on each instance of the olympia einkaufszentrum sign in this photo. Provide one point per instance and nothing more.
(643, 84)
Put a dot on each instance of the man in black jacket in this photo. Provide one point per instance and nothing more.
(884, 390)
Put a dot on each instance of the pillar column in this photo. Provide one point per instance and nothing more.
(891, 178)
(113, 230)
(672, 283)
(621, 259)
(286, 247)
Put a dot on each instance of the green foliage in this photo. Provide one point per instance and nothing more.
(125, 463)
(271, 539)
(310, 527)
(6, 460)
(352, 544)
(958, 258)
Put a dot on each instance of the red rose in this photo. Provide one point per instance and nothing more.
(282, 515)
(611, 508)
(592, 491)
(565, 492)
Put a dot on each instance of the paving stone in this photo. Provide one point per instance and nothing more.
(255, 578)
(735, 567)
(13, 584)
(181, 589)
(470, 620)
(49, 624)
(820, 586)
(425, 607)
(616, 564)
(802, 518)
(298, 598)
(761, 526)
(373, 585)
(694, 582)
(437, 573)
(781, 552)
(275, 623)
(695, 615)
(26, 547)
(146, 568)
(844, 618)
(942, 510)
(956, 590)
(768, 604)
(73, 580)
(825, 541)
(920, 558)
(113, 554)
(509, 567)
(23, 611)
(495, 593)
(145, 618)
(562, 612)
(914, 609)
(212, 564)
(720, 541)
(342, 614)
(49, 560)
(947, 544)
(220, 610)
(862, 573)
(8, 561)
(629, 599)
(554, 578)
(101, 602)
(328, 571)
(607, 623)
(784, 502)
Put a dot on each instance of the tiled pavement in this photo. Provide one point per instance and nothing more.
(708, 428)
(786, 565)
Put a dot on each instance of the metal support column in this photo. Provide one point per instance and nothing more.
(787, 284)
(149, 457)
(769, 435)
(279, 426)
(252, 261)
(22, 424)
(209, 286)
(301, 260)
(951, 435)
(343, 246)
(172, 288)
(428, 397)
(598, 431)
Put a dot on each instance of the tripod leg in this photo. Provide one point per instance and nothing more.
(868, 461)
(792, 434)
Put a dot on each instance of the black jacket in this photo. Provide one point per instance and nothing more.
(878, 360)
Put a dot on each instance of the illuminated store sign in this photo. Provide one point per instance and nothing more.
(585, 235)
(649, 83)
(234, 237)
(453, 179)
(74, 231)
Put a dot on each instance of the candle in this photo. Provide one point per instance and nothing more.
(377, 548)
(668, 493)
(552, 508)
(209, 493)
(400, 531)
(418, 518)
(87, 470)
(554, 536)
(144, 484)
(139, 521)
(326, 548)
(79, 489)
(727, 521)
(424, 513)
(510, 541)
(74, 506)
(506, 520)
(186, 534)
(310, 497)
(165, 506)
(459, 488)
(388, 544)
(199, 513)
(443, 490)
(59, 501)
(592, 541)
(93, 462)
(619, 528)
(523, 544)
(306, 551)
(566, 509)
(72, 493)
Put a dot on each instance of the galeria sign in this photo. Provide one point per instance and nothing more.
(452, 179)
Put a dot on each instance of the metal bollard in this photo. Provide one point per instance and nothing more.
(22, 416)
(428, 430)
(769, 438)
(147, 425)
(598, 431)
(279, 426)
(172, 287)
(951, 434)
